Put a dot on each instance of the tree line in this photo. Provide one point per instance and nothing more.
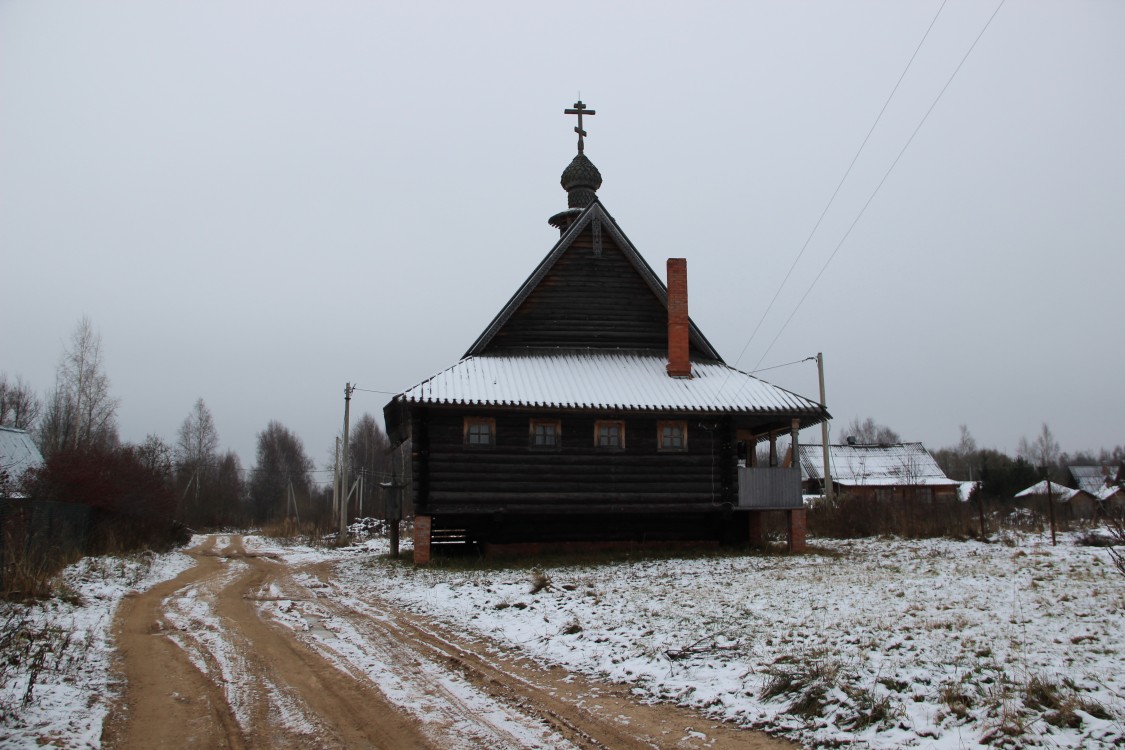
(155, 485)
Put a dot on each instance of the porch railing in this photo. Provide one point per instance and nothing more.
(769, 488)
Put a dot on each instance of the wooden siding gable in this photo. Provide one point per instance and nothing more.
(579, 297)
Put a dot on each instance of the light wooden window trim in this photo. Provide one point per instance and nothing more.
(661, 425)
(471, 422)
(619, 424)
(531, 434)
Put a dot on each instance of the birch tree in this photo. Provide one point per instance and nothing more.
(80, 411)
(196, 447)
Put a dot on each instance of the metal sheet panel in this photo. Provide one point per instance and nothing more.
(603, 380)
(769, 488)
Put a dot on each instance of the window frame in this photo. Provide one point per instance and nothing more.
(469, 423)
(534, 423)
(620, 424)
(665, 423)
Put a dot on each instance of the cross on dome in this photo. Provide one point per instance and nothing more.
(579, 109)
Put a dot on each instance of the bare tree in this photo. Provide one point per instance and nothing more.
(281, 463)
(155, 455)
(1042, 452)
(368, 446)
(195, 448)
(80, 412)
(870, 432)
(19, 406)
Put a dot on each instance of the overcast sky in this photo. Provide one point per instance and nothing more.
(256, 202)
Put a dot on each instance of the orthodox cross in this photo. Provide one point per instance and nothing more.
(579, 109)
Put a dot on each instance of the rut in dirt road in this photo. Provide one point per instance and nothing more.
(246, 651)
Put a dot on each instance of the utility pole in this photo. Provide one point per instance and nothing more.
(1051, 508)
(828, 490)
(343, 534)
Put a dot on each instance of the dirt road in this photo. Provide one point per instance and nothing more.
(252, 651)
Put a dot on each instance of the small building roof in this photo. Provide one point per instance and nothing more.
(604, 379)
(18, 452)
(1109, 491)
(874, 465)
(1092, 479)
(1064, 494)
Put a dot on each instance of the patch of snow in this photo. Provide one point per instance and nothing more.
(929, 643)
(70, 705)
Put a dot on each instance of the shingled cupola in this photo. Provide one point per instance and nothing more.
(581, 179)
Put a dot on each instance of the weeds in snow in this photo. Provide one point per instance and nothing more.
(30, 650)
(539, 581)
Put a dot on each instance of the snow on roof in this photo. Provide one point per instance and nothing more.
(1092, 479)
(1105, 493)
(874, 465)
(17, 452)
(599, 379)
(1057, 490)
(965, 490)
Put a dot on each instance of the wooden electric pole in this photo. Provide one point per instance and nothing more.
(343, 533)
(828, 491)
(1051, 508)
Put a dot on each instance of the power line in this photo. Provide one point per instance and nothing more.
(882, 181)
(787, 364)
(839, 185)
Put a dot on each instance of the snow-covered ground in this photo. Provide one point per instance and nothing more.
(73, 694)
(873, 643)
(878, 642)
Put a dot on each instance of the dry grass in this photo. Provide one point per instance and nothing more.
(30, 650)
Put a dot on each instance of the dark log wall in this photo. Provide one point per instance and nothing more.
(588, 300)
(512, 477)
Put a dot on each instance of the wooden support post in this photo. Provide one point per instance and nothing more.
(421, 540)
(797, 530)
(773, 449)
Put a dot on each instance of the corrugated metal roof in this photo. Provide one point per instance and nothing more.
(1092, 479)
(17, 452)
(602, 380)
(874, 465)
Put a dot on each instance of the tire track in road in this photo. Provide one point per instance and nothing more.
(245, 650)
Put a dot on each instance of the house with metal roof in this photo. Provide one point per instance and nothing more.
(1094, 479)
(593, 410)
(1073, 503)
(18, 453)
(880, 471)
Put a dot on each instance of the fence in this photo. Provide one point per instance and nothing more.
(41, 534)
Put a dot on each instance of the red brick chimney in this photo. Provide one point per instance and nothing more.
(679, 365)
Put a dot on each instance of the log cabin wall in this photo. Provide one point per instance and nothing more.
(588, 299)
(512, 476)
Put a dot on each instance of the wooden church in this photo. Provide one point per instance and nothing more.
(593, 411)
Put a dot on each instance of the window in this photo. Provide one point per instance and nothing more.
(672, 436)
(545, 433)
(480, 432)
(609, 435)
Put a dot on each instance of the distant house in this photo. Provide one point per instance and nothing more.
(1078, 504)
(885, 471)
(18, 453)
(1094, 479)
(1112, 499)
